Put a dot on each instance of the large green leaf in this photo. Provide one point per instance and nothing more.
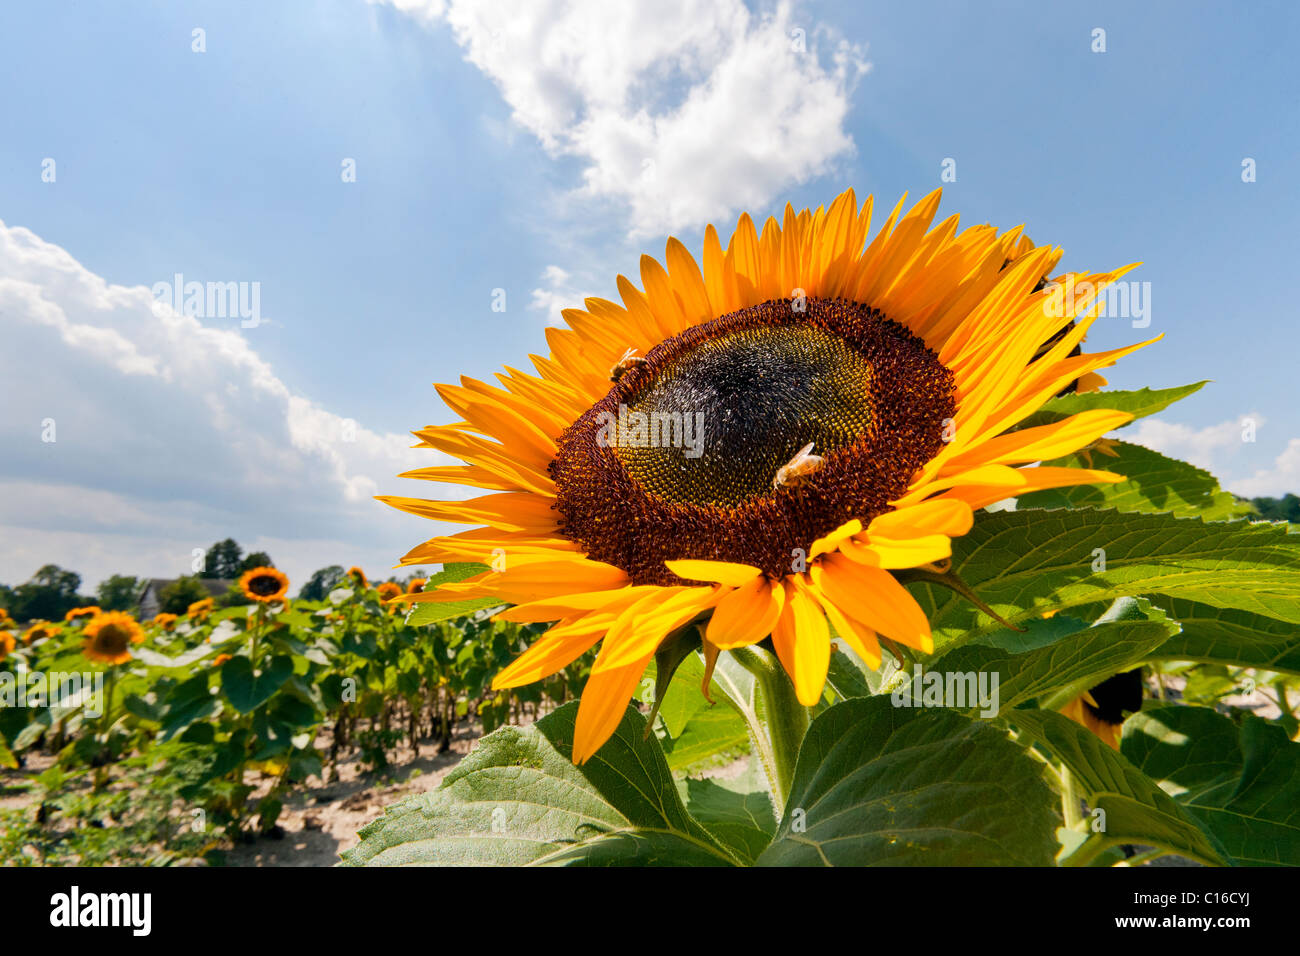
(431, 613)
(1243, 784)
(1025, 563)
(698, 733)
(884, 785)
(247, 691)
(1230, 636)
(518, 799)
(1152, 483)
(741, 818)
(1135, 809)
(1140, 403)
(1079, 657)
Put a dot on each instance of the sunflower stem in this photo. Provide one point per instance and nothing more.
(781, 721)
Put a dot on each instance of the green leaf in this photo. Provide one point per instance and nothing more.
(1025, 563)
(741, 819)
(1140, 403)
(1231, 637)
(884, 785)
(1081, 657)
(1135, 809)
(188, 701)
(1243, 786)
(431, 613)
(1153, 483)
(7, 758)
(699, 733)
(518, 799)
(246, 691)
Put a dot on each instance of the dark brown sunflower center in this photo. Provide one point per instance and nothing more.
(112, 639)
(264, 585)
(716, 425)
(679, 460)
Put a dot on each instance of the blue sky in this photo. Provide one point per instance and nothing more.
(507, 148)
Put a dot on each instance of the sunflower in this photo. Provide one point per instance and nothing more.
(7, 644)
(416, 585)
(4, 616)
(1103, 708)
(221, 659)
(761, 442)
(389, 590)
(200, 608)
(264, 585)
(39, 631)
(358, 577)
(164, 620)
(78, 612)
(108, 637)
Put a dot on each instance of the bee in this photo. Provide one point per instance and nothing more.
(629, 359)
(804, 463)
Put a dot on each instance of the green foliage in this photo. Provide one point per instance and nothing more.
(321, 583)
(47, 596)
(1286, 508)
(176, 597)
(118, 592)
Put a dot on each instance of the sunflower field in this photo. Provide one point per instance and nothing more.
(168, 739)
(860, 505)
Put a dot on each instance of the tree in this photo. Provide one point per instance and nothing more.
(118, 592)
(50, 594)
(1286, 508)
(180, 594)
(256, 559)
(322, 583)
(223, 560)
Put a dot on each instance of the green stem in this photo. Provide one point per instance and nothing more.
(781, 721)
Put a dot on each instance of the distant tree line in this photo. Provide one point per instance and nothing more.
(52, 591)
(1286, 508)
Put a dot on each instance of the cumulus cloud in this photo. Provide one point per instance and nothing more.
(1218, 448)
(169, 433)
(684, 110)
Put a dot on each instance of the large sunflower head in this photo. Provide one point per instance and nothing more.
(109, 636)
(756, 445)
(80, 612)
(7, 644)
(264, 585)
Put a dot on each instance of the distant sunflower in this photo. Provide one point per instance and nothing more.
(416, 585)
(4, 616)
(7, 644)
(108, 637)
(358, 577)
(164, 620)
(264, 585)
(200, 608)
(221, 659)
(1104, 707)
(762, 442)
(39, 631)
(389, 589)
(78, 612)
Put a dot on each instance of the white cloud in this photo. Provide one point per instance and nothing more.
(1220, 450)
(170, 434)
(685, 110)
(557, 293)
